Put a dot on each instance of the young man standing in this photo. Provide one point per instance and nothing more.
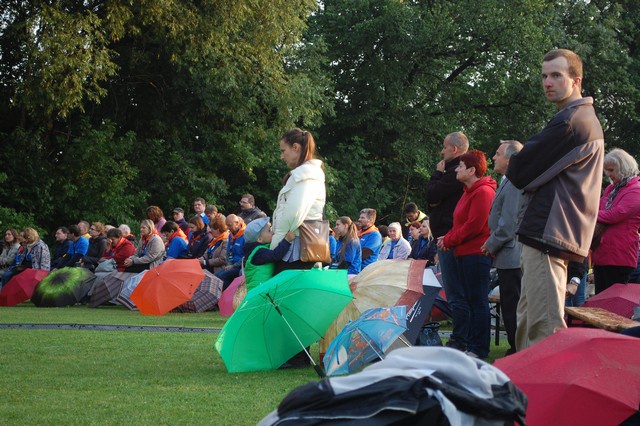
(199, 206)
(370, 238)
(559, 171)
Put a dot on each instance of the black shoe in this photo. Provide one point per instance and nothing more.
(454, 344)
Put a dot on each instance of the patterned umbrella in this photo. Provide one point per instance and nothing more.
(382, 284)
(365, 339)
(63, 287)
(20, 287)
(108, 288)
(206, 296)
(130, 284)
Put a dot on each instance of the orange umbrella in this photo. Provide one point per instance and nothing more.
(167, 286)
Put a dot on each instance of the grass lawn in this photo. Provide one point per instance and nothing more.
(118, 377)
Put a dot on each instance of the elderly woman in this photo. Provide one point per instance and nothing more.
(215, 258)
(616, 255)
(301, 198)
(9, 249)
(398, 248)
(471, 318)
(150, 251)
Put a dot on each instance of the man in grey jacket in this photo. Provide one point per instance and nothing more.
(560, 173)
(502, 244)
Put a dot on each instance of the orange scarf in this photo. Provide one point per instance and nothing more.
(178, 234)
(238, 234)
(220, 237)
(369, 230)
(145, 240)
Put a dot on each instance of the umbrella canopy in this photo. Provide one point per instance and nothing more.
(20, 287)
(619, 299)
(578, 376)
(226, 300)
(282, 316)
(206, 296)
(168, 285)
(63, 287)
(365, 339)
(382, 284)
(129, 284)
(108, 288)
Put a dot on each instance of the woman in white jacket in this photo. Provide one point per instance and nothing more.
(303, 195)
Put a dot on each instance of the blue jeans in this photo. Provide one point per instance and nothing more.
(228, 275)
(580, 297)
(455, 298)
(474, 277)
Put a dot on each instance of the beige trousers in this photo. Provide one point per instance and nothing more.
(541, 305)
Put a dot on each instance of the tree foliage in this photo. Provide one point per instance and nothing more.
(107, 107)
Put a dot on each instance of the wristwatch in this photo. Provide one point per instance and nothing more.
(575, 280)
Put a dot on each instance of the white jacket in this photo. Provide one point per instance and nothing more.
(302, 198)
(402, 250)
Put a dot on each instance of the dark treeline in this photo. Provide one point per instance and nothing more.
(107, 107)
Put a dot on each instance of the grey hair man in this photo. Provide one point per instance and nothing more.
(502, 244)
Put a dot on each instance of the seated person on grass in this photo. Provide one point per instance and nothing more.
(175, 239)
(119, 248)
(260, 263)
(63, 249)
(80, 246)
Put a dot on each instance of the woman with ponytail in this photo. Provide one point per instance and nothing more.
(301, 198)
(348, 250)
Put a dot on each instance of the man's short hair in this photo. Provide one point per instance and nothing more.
(574, 61)
(201, 200)
(396, 226)
(170, 227)
(211, 208)
(114, 233)
(513, 147)
(459, 140)
(477, 159)
(249, 198)
(370, 213)
(75, 230)
(84, 225)
(411, 208)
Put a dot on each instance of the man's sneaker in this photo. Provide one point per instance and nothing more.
(452, 343)
(474, 355)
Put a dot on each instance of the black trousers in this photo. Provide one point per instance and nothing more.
(509, 296)
(607, 275)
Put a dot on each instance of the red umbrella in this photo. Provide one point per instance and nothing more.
(226, 300)
(578, 376)
(20, 287)
(168, 285)
(619, 299)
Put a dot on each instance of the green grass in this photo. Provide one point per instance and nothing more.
(119, 377)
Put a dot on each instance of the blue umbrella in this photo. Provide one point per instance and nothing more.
(365, 339)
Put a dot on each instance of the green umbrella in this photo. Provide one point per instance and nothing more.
(63, 287)
(282, 316)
